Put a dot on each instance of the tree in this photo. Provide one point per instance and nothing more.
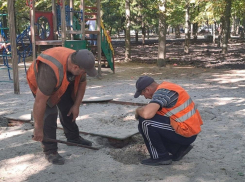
(175, 12)
(162, 34)
(127, 31)
(226, 25)
(113, 15)
(187, 27)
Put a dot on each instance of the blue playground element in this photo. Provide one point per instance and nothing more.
(43, 31)
(24, 45)
(2, 31)
(5, 57)
(24, 49)
(78, 16)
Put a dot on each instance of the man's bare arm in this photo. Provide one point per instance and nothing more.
(80, 94)
(148, 111)
(38, 114)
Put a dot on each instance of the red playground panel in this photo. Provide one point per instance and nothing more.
(44, 25)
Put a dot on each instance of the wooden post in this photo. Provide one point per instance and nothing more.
(63, 23)
(71, 17)
(33, 39)
(83, 21)
(13, 46)
(98, 38)
(54, 12)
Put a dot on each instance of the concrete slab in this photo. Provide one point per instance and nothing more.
(117, 133)
(20, 116)
(108, 120)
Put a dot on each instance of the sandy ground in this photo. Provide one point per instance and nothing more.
(218, 153)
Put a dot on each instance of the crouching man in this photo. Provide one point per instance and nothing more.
(170, 122)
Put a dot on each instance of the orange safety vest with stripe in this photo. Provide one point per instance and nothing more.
(56, 58)
(184, 116)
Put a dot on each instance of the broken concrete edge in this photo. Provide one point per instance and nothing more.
(101, 135)
(114, 102)
(96, 101)
(9, 122)
(25, 116)
(127, 103)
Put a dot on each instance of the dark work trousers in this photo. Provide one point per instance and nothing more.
(50, 121)
(160, 138)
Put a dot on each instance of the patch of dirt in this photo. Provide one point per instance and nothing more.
(202, 53)
(132, 153)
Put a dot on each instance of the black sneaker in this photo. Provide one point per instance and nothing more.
(156, 162)
(55, 158)
(81, 141)
(182, 152)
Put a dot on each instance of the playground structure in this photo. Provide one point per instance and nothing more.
(63, 23)
(54, 28)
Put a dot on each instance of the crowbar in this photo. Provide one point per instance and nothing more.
(68, 143)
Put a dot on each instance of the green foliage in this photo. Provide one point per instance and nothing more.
(113, 14)
(141, 11)
(175, 12)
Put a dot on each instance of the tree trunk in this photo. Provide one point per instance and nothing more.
(12, 34)
(148, 32)
(162, 35)
(118, 33)
(233, 29)
(195, 29)
(213, 31)
(143, 31)
(127, 32)
(226, 27)
(238, 26)
(219, 42)
(136, 36)
(187, 29)
(243, 28)
(191, 30)
(177, 32)
(141, 17)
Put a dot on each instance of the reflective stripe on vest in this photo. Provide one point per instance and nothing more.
(56, 63)
(180, 108)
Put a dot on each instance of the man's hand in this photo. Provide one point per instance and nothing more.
(74, 111)
(38, 134)
(136, 115)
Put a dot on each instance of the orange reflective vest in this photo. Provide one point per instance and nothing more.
(56, 58)
(184, 116)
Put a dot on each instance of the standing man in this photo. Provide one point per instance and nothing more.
(169, 123)
(57, 79)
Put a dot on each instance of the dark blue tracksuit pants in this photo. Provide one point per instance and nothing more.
(160, 138)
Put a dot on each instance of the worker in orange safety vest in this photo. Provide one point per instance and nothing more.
(170, 122)
(57, 79)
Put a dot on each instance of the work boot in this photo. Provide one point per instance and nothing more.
(55, 158)
(81, 141)
(182, 152)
